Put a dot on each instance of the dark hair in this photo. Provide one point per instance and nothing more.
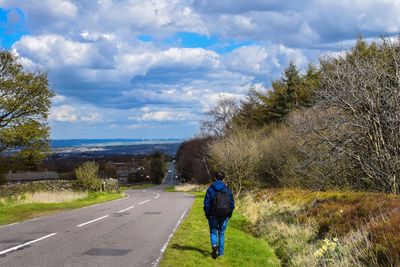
(219, 176)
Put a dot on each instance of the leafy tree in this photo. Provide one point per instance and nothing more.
(192, 160)
(87, 176)
(109, 170)
(157, 167)
(292, 91)
(24, 107)
(3, 179)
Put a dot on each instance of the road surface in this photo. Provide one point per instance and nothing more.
(170, 176)
(132, 231)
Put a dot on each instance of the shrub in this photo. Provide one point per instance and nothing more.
(238, 155)
(279, 152)
(87, 176)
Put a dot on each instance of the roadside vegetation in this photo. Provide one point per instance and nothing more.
(190, 246)
(31, 200)
(331, 133)
(136, 187)
(311, 228)
(15, 210)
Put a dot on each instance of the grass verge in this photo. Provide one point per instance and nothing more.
(190, 246)
(136, 187)
(13, 212)
(170, 188)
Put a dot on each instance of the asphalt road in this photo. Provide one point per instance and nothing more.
(133, 231)
(170, 177)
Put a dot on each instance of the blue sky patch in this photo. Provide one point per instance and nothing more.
(195, 40)
(145, 38)
(12, 26)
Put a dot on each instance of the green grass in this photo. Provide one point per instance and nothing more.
(190, 246)
(170, 188)
(11, 212)
(136, 187)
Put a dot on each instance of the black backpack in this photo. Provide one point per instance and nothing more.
(221, 204)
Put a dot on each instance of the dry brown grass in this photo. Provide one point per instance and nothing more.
(191, 188)
(363, 228)
(46, 197)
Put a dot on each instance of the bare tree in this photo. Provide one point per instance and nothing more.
(239, 156)
(362, 91)
(217, 120)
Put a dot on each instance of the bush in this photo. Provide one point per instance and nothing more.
(279, 154)
(238, 155)
(87, 176)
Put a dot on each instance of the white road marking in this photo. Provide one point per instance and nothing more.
(158, 195)
(131, 207)
(26, 244)
(94, 205)
(144, 202)
(156, 262)
(9, 224)
(95, 220)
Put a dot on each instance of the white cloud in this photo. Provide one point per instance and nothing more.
(67, 110)
(140, 63)
(248, 59)
(53, 51)
(163, 115)
(63, 113)
(103, 73)
(93, 117)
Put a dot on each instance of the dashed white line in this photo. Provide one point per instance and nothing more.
(131, 207)
(158, 195)
(25, 244)
(144, 202)
(155, 263)
(95, 220)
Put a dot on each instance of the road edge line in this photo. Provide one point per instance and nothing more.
(164, 247)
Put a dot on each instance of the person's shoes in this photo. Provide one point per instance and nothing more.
(214, 252)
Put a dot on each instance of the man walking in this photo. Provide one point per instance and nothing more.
(218, 208)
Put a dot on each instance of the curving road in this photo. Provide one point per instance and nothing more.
(132, 231)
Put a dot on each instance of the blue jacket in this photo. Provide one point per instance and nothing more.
(210, 195)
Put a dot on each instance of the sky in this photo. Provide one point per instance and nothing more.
(151, 68)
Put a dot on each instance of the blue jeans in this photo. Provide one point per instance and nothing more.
(217, 232)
